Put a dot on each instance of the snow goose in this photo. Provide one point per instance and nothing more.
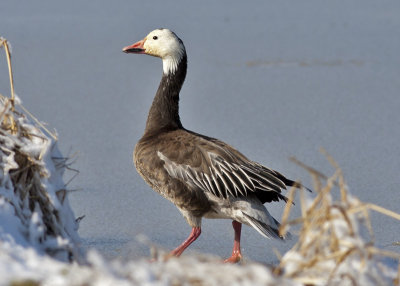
(202, 176)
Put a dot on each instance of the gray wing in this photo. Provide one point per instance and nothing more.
(224, 172)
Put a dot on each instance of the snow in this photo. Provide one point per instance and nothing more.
(187, 271)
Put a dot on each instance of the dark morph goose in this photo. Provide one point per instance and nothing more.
(202, 176)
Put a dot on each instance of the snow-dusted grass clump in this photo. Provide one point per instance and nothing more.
(336, 242)
(34, 209)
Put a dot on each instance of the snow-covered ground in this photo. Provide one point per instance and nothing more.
(274, 79)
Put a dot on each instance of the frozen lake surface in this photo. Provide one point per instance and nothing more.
(272, 79)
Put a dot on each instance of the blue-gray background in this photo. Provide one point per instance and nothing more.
(273, 78)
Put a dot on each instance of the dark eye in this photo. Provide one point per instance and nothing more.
(155, 38)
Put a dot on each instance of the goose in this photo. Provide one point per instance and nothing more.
(203, 176)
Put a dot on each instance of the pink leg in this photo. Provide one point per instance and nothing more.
(196, 231)
(236, 254)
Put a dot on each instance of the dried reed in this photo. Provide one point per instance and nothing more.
(330, 238)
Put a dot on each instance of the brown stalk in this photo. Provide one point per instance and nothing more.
(318, 229)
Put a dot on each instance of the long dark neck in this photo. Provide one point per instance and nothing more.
(164, 111)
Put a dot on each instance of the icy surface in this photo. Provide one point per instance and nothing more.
(272, 78)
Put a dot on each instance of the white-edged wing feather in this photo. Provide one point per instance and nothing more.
(225, 178)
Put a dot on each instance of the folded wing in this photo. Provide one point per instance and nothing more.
(224, 172)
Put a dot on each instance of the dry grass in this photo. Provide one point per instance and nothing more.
(330, 232)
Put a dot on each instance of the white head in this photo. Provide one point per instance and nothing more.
(161, 43)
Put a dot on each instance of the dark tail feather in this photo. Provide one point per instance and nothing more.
(291, 183)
